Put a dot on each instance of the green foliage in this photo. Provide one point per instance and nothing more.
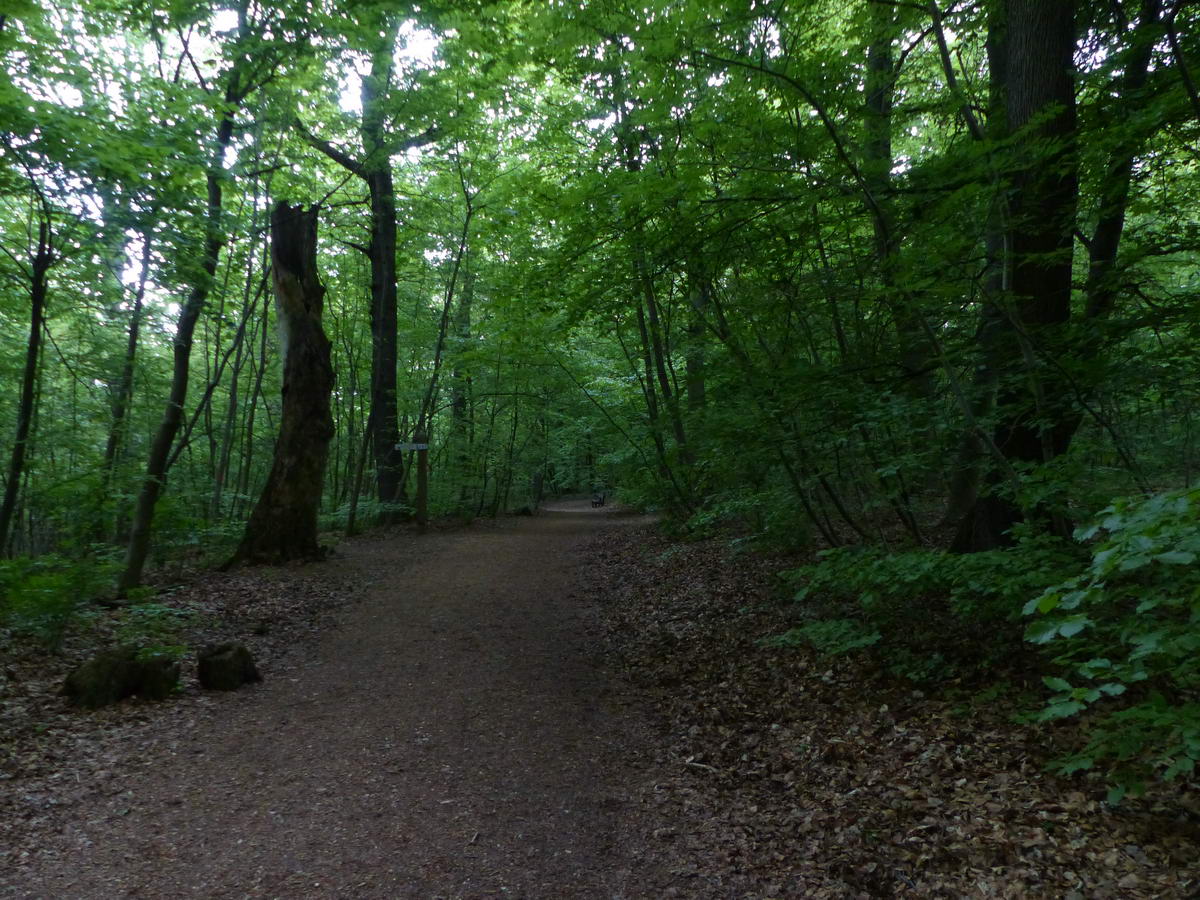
(832, 637)
(44, 597)
(157, 630)
(1128, 626)
(978, 586)
(769, 518)
(186, 538)
(921, 603)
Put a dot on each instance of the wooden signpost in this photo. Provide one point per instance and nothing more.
(421, 447)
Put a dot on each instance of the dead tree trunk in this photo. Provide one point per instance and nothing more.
(283, 526)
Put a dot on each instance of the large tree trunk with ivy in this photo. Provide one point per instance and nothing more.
(1035, 413)
(283, 525)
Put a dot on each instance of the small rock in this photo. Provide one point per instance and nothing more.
(226, 667)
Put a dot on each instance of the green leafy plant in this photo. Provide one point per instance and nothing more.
(1128, 626)
(43, 597)
(156, 628)
(977, 598)
(833, 637)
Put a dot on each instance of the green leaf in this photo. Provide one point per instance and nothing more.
(1177, 557)
(1056, 684)
(1061, 709)
(1073, 625)
(1076, 764)
(1043, 604)
(1072, 599)
(1041, 632)
(1137, 561)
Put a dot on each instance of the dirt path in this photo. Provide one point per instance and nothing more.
(455, 738)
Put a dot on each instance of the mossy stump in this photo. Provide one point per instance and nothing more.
(112, 675)
(226, 667)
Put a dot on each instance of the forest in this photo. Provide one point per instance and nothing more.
(898, 293)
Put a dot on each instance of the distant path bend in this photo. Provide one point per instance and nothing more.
(456, 737)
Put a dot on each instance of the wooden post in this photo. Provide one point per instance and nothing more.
(422, 481)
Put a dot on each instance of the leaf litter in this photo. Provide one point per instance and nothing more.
(787, 774)
(773, 772)
(53, 758)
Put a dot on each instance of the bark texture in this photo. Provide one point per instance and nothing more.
(283, 526)
(1035, 410)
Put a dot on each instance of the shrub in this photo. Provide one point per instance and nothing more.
(1130, 622)
(830, 636)
(920, 604)
(42, 597)
(156, 629)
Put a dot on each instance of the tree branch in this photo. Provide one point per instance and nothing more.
(826, 120)
(948, 68)
(338, 156)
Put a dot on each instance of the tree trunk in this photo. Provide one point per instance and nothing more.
(253, 287)
(43, 259)
(1035, 419)
(357, 480)
(694, 366)
(878, 160)
(124, 387)
(657, 347)
(1100, 290)
(283, 525)
(389, 465)
(967, 475)
(375, 169)
(258, 368)
(462, 428)
(160, 449)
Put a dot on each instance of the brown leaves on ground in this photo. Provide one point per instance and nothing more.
(52, 756)
(779, 773)
(788, 774)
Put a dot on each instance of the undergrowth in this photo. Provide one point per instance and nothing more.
(45, 596)
(1115, 623)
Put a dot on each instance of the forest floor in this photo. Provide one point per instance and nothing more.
(565, 705)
